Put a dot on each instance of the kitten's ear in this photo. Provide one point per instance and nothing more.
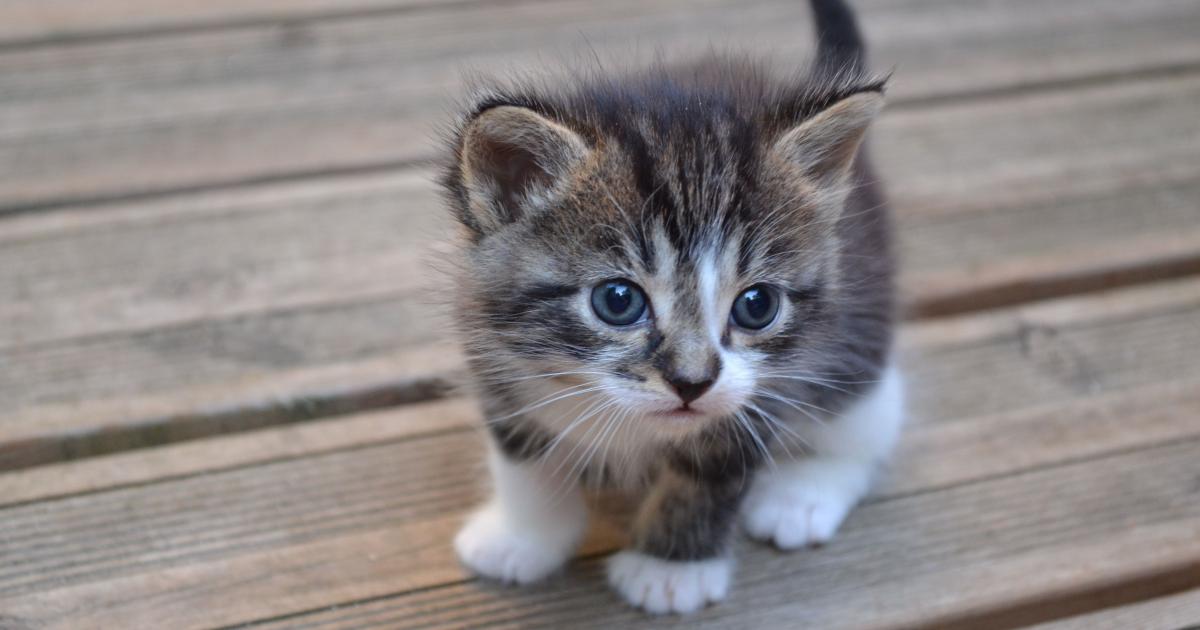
(824, 146)
(514, 161)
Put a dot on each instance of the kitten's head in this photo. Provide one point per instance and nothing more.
(656, 247)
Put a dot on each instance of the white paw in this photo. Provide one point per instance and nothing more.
(665, 586)
(803, 503)
(493, 548)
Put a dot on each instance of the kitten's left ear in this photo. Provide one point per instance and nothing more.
(512, 161)
(824, 146)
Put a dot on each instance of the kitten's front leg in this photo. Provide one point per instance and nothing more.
(530, 526)
(680, 558)
(803, 502)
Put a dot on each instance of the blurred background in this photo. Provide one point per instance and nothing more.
(226, 397)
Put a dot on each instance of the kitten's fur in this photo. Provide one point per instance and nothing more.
(694, 182)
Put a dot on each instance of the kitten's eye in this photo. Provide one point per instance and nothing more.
(756, 307)
(619, 302)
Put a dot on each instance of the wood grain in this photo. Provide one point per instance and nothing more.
(75, 430)
(127, 117)
(1175, 612)
(140, 266)
(45, 22)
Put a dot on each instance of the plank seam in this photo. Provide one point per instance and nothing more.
(418, 436)
(306, 408)
(311, 175)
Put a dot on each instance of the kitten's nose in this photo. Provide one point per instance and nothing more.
(689, 390)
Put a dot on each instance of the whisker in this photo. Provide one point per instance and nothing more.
(594, 409)
(781, 425)
(775, 434)
(552, 398)
(807, 380)
(794, 404)
(745, 422)
(546, 375)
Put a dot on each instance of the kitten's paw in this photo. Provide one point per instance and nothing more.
(492, 548)
(803, 503)
(664, 586)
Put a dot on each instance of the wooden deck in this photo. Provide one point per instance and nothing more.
(227, 400)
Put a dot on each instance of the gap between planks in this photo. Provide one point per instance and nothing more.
(1176, 612)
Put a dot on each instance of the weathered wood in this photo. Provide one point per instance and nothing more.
(260, 398)
(940, 454)
(41, 22)
(128, 117)
(303, 531)
(108, 270)
(979, 259)
(1028, 148)
(1175, 612)
(234, 451)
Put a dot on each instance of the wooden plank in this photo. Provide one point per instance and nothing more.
(130, 117)
(334, 541)
(253, 399)
(217, 255)
(340, 284)
(1025, 147)
(239, 450)
(41, 22)
(309, 532)
(1006, 255)
(1175, 612)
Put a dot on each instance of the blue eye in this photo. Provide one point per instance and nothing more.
(619, 302)
(756, 307)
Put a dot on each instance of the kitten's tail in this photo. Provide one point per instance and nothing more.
(839, 43)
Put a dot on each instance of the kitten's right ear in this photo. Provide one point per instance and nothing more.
(514, 161)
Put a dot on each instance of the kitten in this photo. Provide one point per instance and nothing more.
(677, 283)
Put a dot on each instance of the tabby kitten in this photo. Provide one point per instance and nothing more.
(677, 283)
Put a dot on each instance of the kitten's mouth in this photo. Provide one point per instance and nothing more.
(682, 412)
